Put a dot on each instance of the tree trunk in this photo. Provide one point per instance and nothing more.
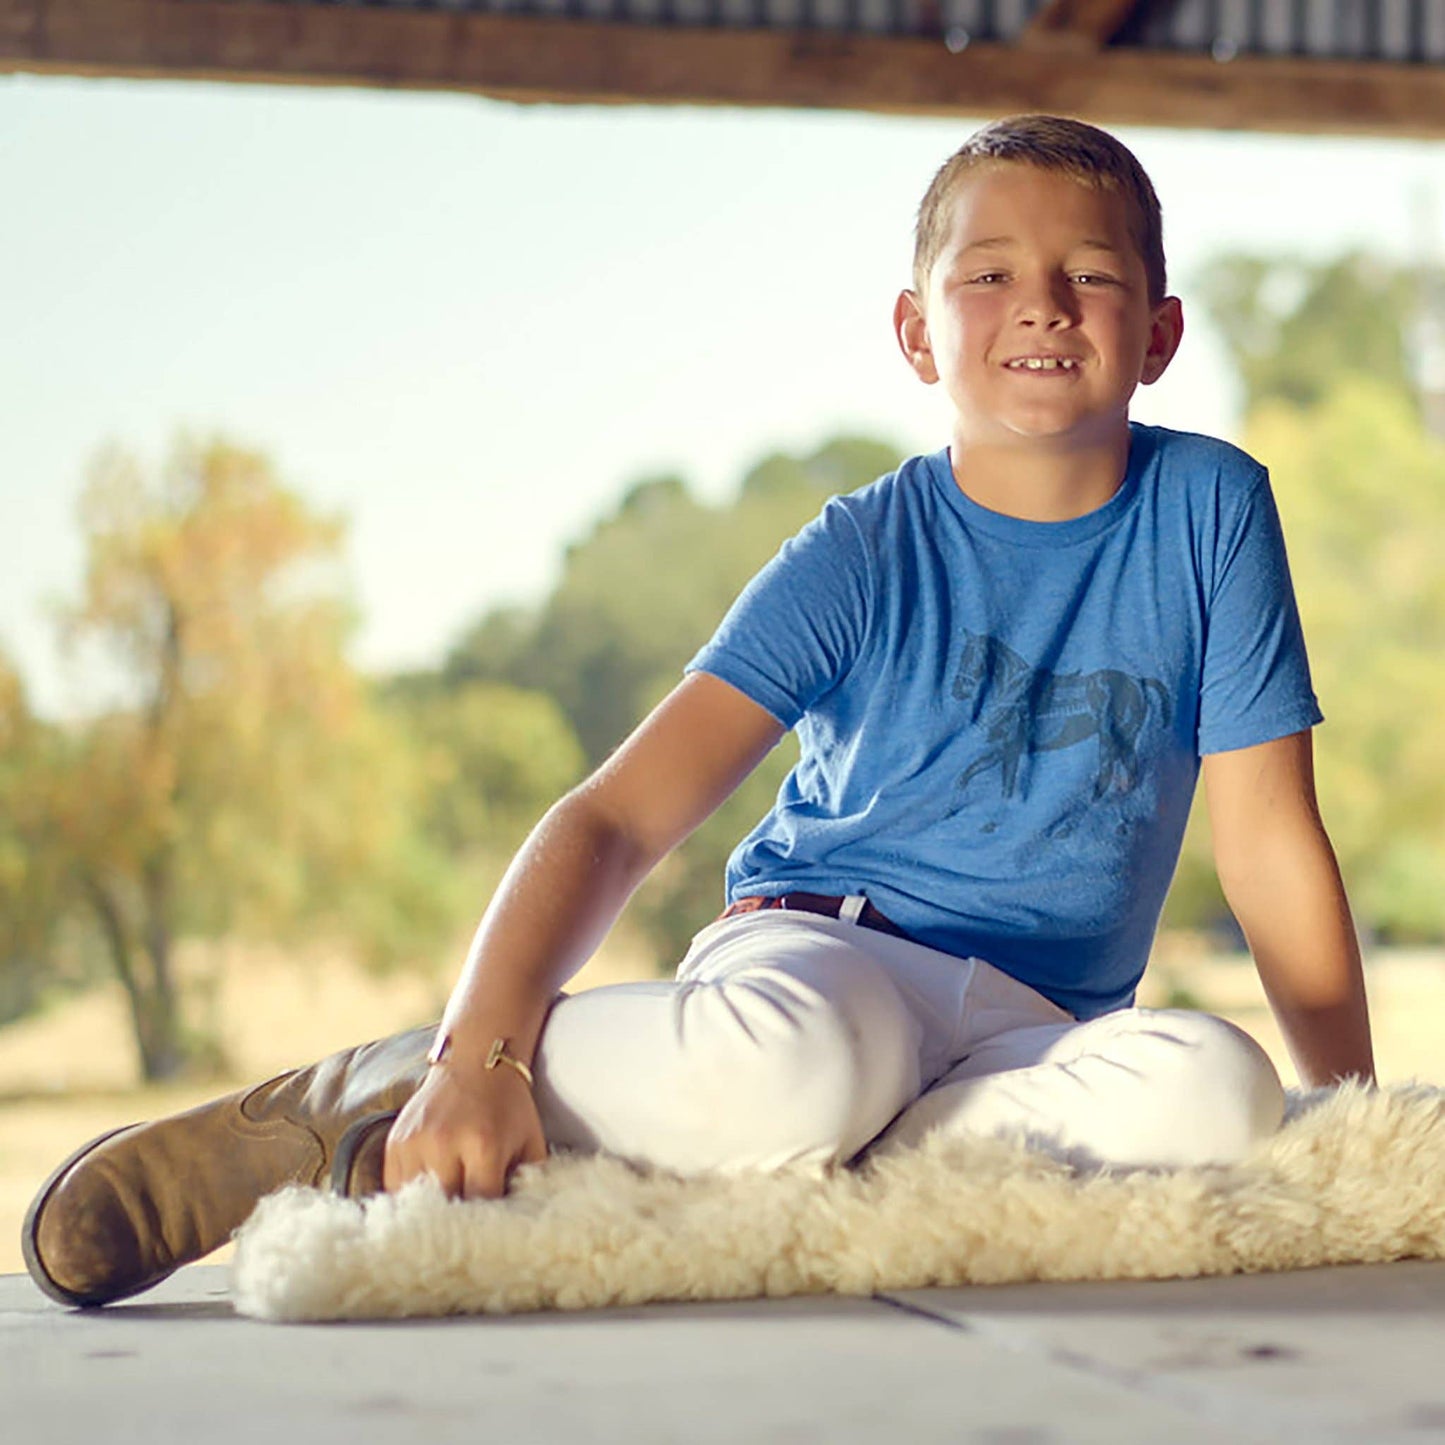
(145, 974)
(168, 1054)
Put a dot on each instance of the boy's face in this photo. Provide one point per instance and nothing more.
(1036, 319)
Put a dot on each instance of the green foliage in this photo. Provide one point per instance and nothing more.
(1294, 328)
(1326, 353)
(1401, 892)
(27, 876)
(1359, 482)
(637, 597)
(492, 759)
(686, 890)
(645, 589)
(1195, 899)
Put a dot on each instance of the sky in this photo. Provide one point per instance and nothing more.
(468, 326)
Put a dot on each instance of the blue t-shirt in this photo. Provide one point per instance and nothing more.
(1000, 721)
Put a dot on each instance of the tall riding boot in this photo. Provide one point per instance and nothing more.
(134, 1205)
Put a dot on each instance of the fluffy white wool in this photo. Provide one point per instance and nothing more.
(1353, 1176)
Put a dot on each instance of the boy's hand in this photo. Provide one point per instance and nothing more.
(469, 1126)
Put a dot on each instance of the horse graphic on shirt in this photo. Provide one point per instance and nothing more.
(1026, 710)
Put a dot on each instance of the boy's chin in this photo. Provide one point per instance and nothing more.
(1047, 436)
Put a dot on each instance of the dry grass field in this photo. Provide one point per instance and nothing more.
(68, 1074)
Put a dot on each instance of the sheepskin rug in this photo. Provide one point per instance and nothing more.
(1354, 1175)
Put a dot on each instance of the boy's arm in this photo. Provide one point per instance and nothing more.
(1281, 880)
(467, 1124)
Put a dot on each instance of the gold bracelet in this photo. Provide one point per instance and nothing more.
(497, 1054)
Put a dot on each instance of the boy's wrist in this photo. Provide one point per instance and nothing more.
(499, 1053)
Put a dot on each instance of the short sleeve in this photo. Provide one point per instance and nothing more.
(1256, 679)
(796, 628)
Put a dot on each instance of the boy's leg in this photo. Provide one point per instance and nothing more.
(129, 1208)
(783, 1040)
(780, 1042)
(1136, 1088)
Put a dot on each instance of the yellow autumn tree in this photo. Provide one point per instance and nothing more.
(246, 782)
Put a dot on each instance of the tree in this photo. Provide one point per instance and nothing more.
(1294, 328)
(492, 758)
(646, 587)
(30, 884)
(1359, 484)
(1358, 480)
(686, 889)
(1328, 353)
(638, 596)
(246, 783)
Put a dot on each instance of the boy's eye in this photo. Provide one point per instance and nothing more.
(987, 278)
(1092, 278)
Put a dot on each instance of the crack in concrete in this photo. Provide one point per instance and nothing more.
(907, 1307)
(1207, 1402)
(1249, 1419)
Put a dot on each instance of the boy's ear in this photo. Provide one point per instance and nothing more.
(911, 329)
(1164, 338)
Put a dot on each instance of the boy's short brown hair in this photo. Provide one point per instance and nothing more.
(1053, 143)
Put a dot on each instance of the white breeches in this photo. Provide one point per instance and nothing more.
(792, 1038)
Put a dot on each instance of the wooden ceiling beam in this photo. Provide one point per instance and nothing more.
(595, 62)
(1077, 25)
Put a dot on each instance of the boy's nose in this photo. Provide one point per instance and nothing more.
(1047, 303)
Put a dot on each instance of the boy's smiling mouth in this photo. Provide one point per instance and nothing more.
(1042, 363)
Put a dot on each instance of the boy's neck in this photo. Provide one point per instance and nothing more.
(1039, 483)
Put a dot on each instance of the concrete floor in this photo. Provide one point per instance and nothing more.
(1354, 1354)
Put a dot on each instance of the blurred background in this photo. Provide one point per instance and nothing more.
(370, 463)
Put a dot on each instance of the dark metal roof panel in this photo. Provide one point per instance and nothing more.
(1398, 31)
(1395, 31)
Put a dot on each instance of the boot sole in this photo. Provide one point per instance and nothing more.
(31, 1250)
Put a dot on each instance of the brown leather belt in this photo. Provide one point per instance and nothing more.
(822, 903)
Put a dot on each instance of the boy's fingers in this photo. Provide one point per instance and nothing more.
(467, 1166)
(483, 1169)
(487, 1181)
(450, 1177)
(393, 1172)
(403, 1163)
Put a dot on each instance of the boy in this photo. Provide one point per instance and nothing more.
(1005, 662)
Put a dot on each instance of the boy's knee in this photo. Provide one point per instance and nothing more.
(1216, 1091)
(813, 1067)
